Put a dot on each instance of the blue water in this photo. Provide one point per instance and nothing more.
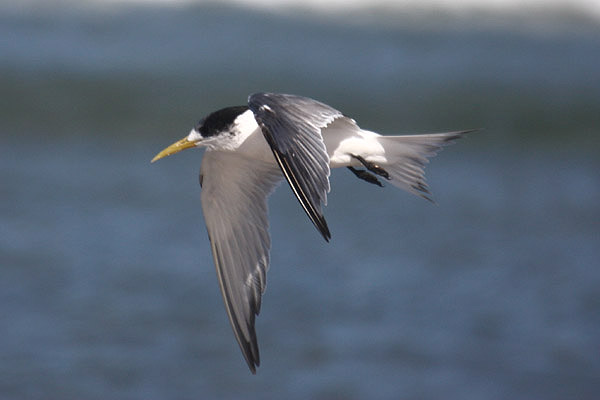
(107, 285)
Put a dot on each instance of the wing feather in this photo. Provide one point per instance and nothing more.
(234, 203)
(292, 127)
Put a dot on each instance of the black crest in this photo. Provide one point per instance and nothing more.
(219, 121)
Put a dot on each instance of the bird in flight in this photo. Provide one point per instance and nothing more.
(251, 148)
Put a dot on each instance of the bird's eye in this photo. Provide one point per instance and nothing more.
(199, 126)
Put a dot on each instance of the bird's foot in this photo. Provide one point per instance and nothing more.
(366, 176)
(376, 169)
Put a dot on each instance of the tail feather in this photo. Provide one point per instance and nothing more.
(408, 155)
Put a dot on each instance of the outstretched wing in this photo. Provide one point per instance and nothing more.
(292, 127)
(234, 203)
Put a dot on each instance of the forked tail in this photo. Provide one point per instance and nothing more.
(407, 156)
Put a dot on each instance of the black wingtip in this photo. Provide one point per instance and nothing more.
(326, 234)
(251, 355)
(320, 223)
(252, 367)
(452, 136)
(318, 220)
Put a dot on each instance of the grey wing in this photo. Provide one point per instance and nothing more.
(234, 203)
(292, 127)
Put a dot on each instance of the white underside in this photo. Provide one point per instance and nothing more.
(343, 138)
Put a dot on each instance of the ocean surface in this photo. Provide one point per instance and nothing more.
(107, 286)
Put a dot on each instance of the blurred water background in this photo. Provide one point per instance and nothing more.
(107, 285)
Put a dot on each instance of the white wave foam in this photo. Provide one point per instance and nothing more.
(588, 8)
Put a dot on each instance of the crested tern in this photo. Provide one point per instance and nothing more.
(251, 148)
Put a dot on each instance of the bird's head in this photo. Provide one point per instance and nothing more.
(217, 130)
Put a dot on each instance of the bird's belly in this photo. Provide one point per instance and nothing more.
(342, 153)
(344, 140)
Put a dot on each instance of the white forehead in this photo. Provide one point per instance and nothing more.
(194, 136)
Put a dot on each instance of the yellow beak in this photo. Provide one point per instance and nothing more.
(174, 148)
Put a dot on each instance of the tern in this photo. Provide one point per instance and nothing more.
(251, 148)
